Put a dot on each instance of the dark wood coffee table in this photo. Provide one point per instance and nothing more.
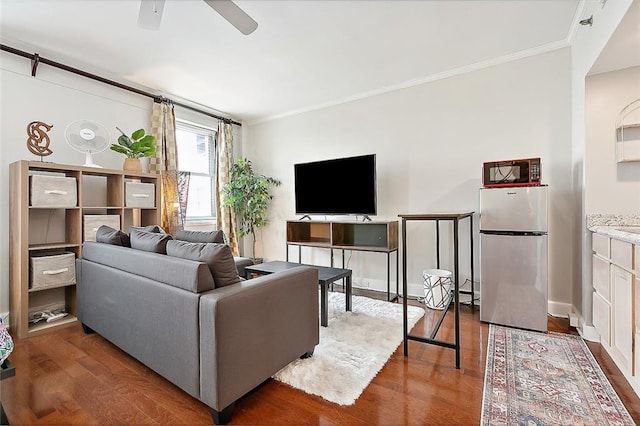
(326, 276)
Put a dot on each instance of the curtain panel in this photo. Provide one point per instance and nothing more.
(175, 184)
(226, 218)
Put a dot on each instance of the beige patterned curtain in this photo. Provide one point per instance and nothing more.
(163, 127)
(225, 216)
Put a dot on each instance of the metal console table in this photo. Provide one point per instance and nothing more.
(438, 217)
(378, 236)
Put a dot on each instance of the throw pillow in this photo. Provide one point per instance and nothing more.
(148, 228)
(201, 236)
(108, 235)
(149, 241)
(217, 256)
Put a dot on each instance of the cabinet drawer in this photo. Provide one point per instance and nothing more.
(53, 271)
(600, 245)
(622, 253)
(601, 277)
(53, 191)
(140, 194)
(602, 318)
(94, 221)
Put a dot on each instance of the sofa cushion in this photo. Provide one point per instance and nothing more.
(181, 273)
(148, 228)
(217, 256)
(201, 236)
(108, 235)
(149, 241)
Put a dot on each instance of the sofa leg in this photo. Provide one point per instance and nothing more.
(308, 354)
(222, 417)
(87, 329)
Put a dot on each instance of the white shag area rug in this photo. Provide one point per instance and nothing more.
(352, 349)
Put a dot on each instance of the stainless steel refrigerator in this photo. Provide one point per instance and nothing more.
(514, 256)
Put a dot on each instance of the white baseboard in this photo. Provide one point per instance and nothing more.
(588, 332)
(574, 320)
(414, 290)
(559, 309)
(556, 309)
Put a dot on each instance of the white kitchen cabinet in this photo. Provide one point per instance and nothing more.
(622, 317)
(636, 311)
(616, 302)
(636, 373)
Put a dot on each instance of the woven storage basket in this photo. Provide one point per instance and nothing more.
(140, 195)
(53, 271)
(53, 191)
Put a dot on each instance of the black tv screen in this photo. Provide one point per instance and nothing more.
(338, 186)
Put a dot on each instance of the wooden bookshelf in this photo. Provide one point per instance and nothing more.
(30, 228)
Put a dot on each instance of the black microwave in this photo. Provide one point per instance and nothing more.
(522, 172)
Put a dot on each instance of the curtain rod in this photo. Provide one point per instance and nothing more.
(37, 59)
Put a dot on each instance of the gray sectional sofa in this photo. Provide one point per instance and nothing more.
(216, 344)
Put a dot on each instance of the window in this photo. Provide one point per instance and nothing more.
(196, 154)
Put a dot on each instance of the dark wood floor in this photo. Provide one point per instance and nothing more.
(67, 377)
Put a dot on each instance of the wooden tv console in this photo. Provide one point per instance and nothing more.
(378, 236)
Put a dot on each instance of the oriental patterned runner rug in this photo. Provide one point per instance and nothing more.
(534, 378)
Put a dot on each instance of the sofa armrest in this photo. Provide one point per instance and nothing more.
(241, 263)
(251, 330)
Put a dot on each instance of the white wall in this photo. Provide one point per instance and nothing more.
(585, 48)
(431, 141)
(610, 187)
(59, 98)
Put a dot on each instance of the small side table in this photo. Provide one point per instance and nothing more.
(437, 217)
(326, 276)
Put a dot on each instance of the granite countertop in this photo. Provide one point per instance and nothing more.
(621, 227)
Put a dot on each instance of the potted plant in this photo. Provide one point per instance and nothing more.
(137, 146)
(247, 194)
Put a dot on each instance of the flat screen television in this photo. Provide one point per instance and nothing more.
(338, 186)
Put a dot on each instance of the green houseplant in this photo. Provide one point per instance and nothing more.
(247, 194)
(138, 145)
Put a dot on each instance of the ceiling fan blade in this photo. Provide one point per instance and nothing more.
(150, 14)
(236, 16)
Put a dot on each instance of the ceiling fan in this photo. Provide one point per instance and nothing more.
(151, 13)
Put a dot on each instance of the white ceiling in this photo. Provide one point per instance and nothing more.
(304, 54)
